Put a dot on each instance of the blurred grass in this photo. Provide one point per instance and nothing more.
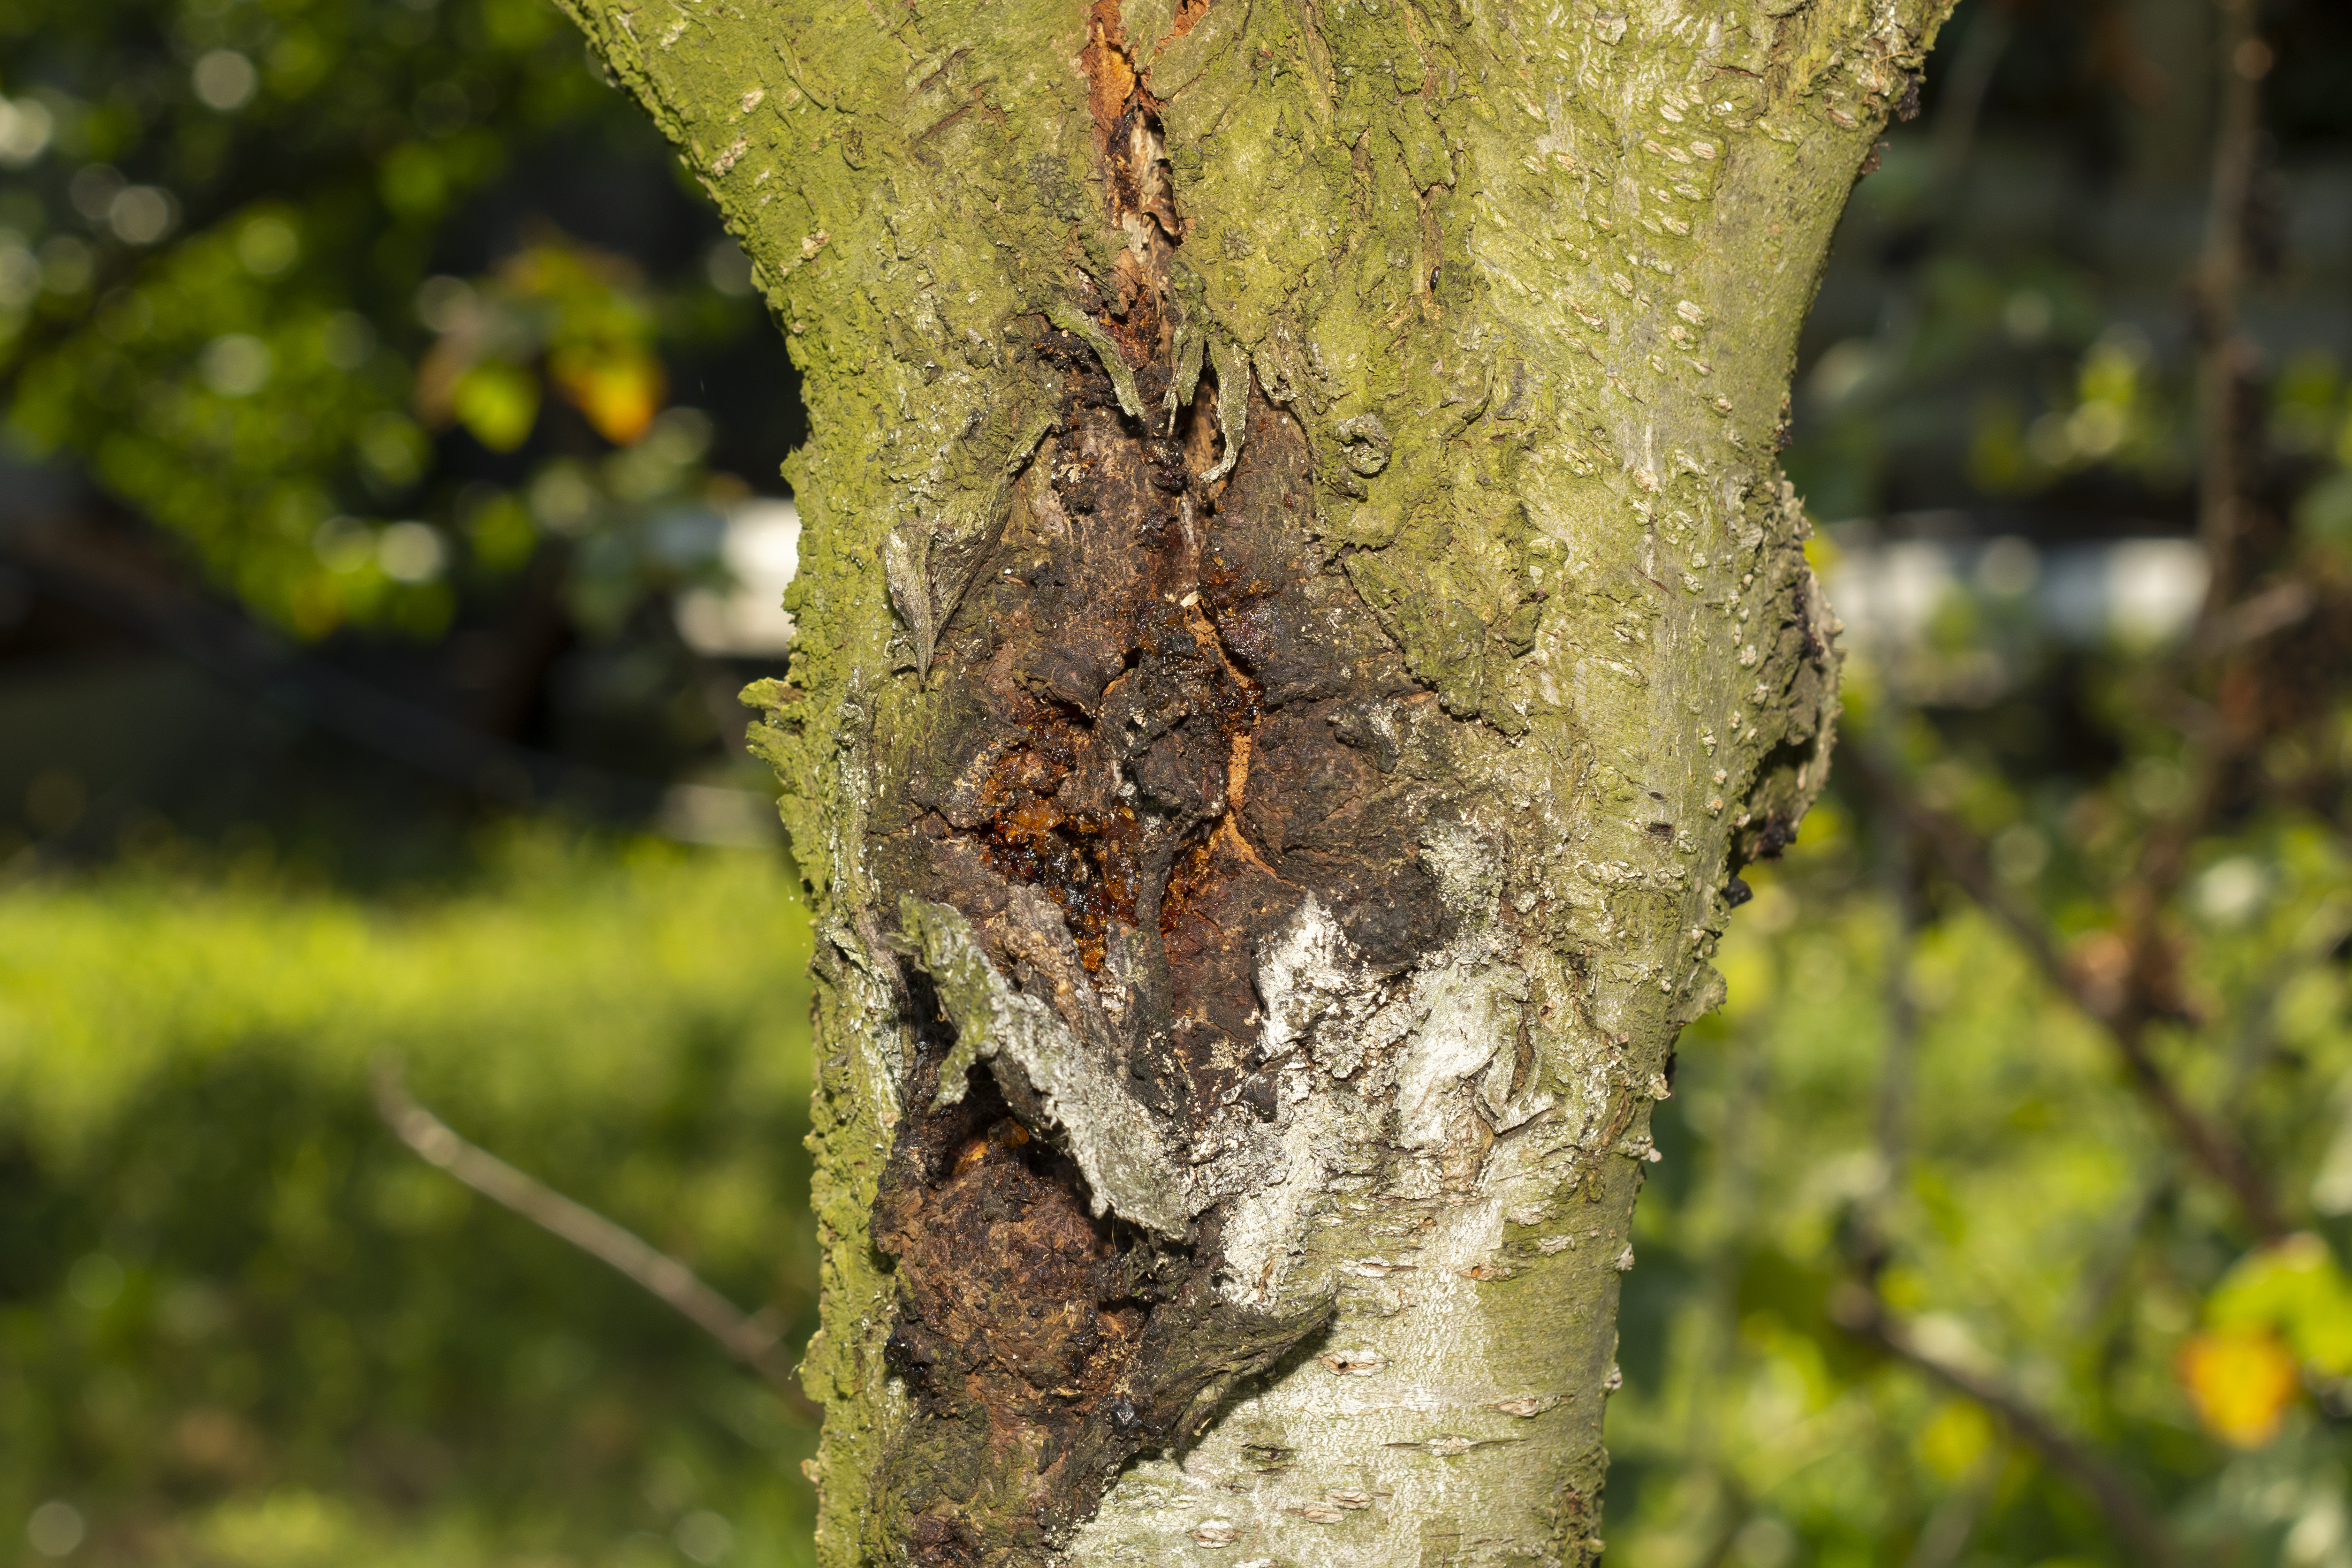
(240, 1325)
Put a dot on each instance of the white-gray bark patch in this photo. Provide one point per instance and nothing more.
(1116, 1142)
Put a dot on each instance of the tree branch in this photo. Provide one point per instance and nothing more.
(2243, 60)
(2118, 1495)
(2125, 1015)
(1857, 1306)
(749, 1338)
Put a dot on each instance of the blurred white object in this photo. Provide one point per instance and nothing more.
(703, 814)
(761, 550)
(1885, 593)
(2140, 591)
(2154, 587)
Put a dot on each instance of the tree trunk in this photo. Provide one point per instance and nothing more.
(1298, 622)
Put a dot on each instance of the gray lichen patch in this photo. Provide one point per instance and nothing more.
(1316, 990)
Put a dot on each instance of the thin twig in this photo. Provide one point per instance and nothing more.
(749, 1339)
(1961, 102)
(2127, 1015)
(1733, 1139)
(1861, 1312)
(2241, 61)
(1946, 1534)
(1892, 1120)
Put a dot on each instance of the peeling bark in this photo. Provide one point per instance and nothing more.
(1300, 623)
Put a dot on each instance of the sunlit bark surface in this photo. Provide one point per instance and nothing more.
(1299, 624)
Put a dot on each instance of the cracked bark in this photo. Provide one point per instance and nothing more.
(1299, 623)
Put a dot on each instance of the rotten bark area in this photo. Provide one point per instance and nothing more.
(1165, 723)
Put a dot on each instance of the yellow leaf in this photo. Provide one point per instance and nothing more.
(619, 387)
(2293, 1286)
(2241, 1380)
(497, 402)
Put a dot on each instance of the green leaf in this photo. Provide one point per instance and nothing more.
(498, 403)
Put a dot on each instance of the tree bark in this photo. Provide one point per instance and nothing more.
(1300, 619)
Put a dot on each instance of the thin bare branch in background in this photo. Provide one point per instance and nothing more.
(2225, 356)
(1953, 1522)
(1960, 107)
(2228, 462)
(2116, 1494)
(1735, 1136)
(750, 1338)
(1873, 1237)
(2126, 1009)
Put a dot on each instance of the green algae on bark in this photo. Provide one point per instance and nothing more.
(1299, 621)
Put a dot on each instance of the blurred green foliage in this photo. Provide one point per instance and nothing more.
(1899, 1111)
(2041, 1225)
(226, 297)
(279, 275)
(2005, 323)
(240, 1325)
